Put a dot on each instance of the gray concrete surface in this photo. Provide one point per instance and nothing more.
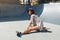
(51, 13)
(8, 31)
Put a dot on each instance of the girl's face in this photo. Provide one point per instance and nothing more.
(30, 12)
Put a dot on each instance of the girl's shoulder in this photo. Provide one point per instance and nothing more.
(33, 15)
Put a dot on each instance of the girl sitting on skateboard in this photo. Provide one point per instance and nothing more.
(34, 24)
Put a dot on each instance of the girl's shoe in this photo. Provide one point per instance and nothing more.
(19, 34)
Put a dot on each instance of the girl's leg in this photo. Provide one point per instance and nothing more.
(34, 28)
(29, 29)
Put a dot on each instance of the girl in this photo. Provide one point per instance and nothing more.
(35, 23)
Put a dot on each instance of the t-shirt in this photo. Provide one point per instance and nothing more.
(34, 20)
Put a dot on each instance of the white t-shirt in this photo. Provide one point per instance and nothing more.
(35, 20)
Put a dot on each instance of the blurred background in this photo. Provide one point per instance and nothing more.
(13, 10)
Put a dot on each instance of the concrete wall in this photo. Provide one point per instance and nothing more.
(51, 13)
(9, 10)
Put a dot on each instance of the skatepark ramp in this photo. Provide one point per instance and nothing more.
(51, 13)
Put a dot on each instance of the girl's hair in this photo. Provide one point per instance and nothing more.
(31, 11)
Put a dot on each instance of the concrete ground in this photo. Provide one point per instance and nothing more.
(8, 31)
